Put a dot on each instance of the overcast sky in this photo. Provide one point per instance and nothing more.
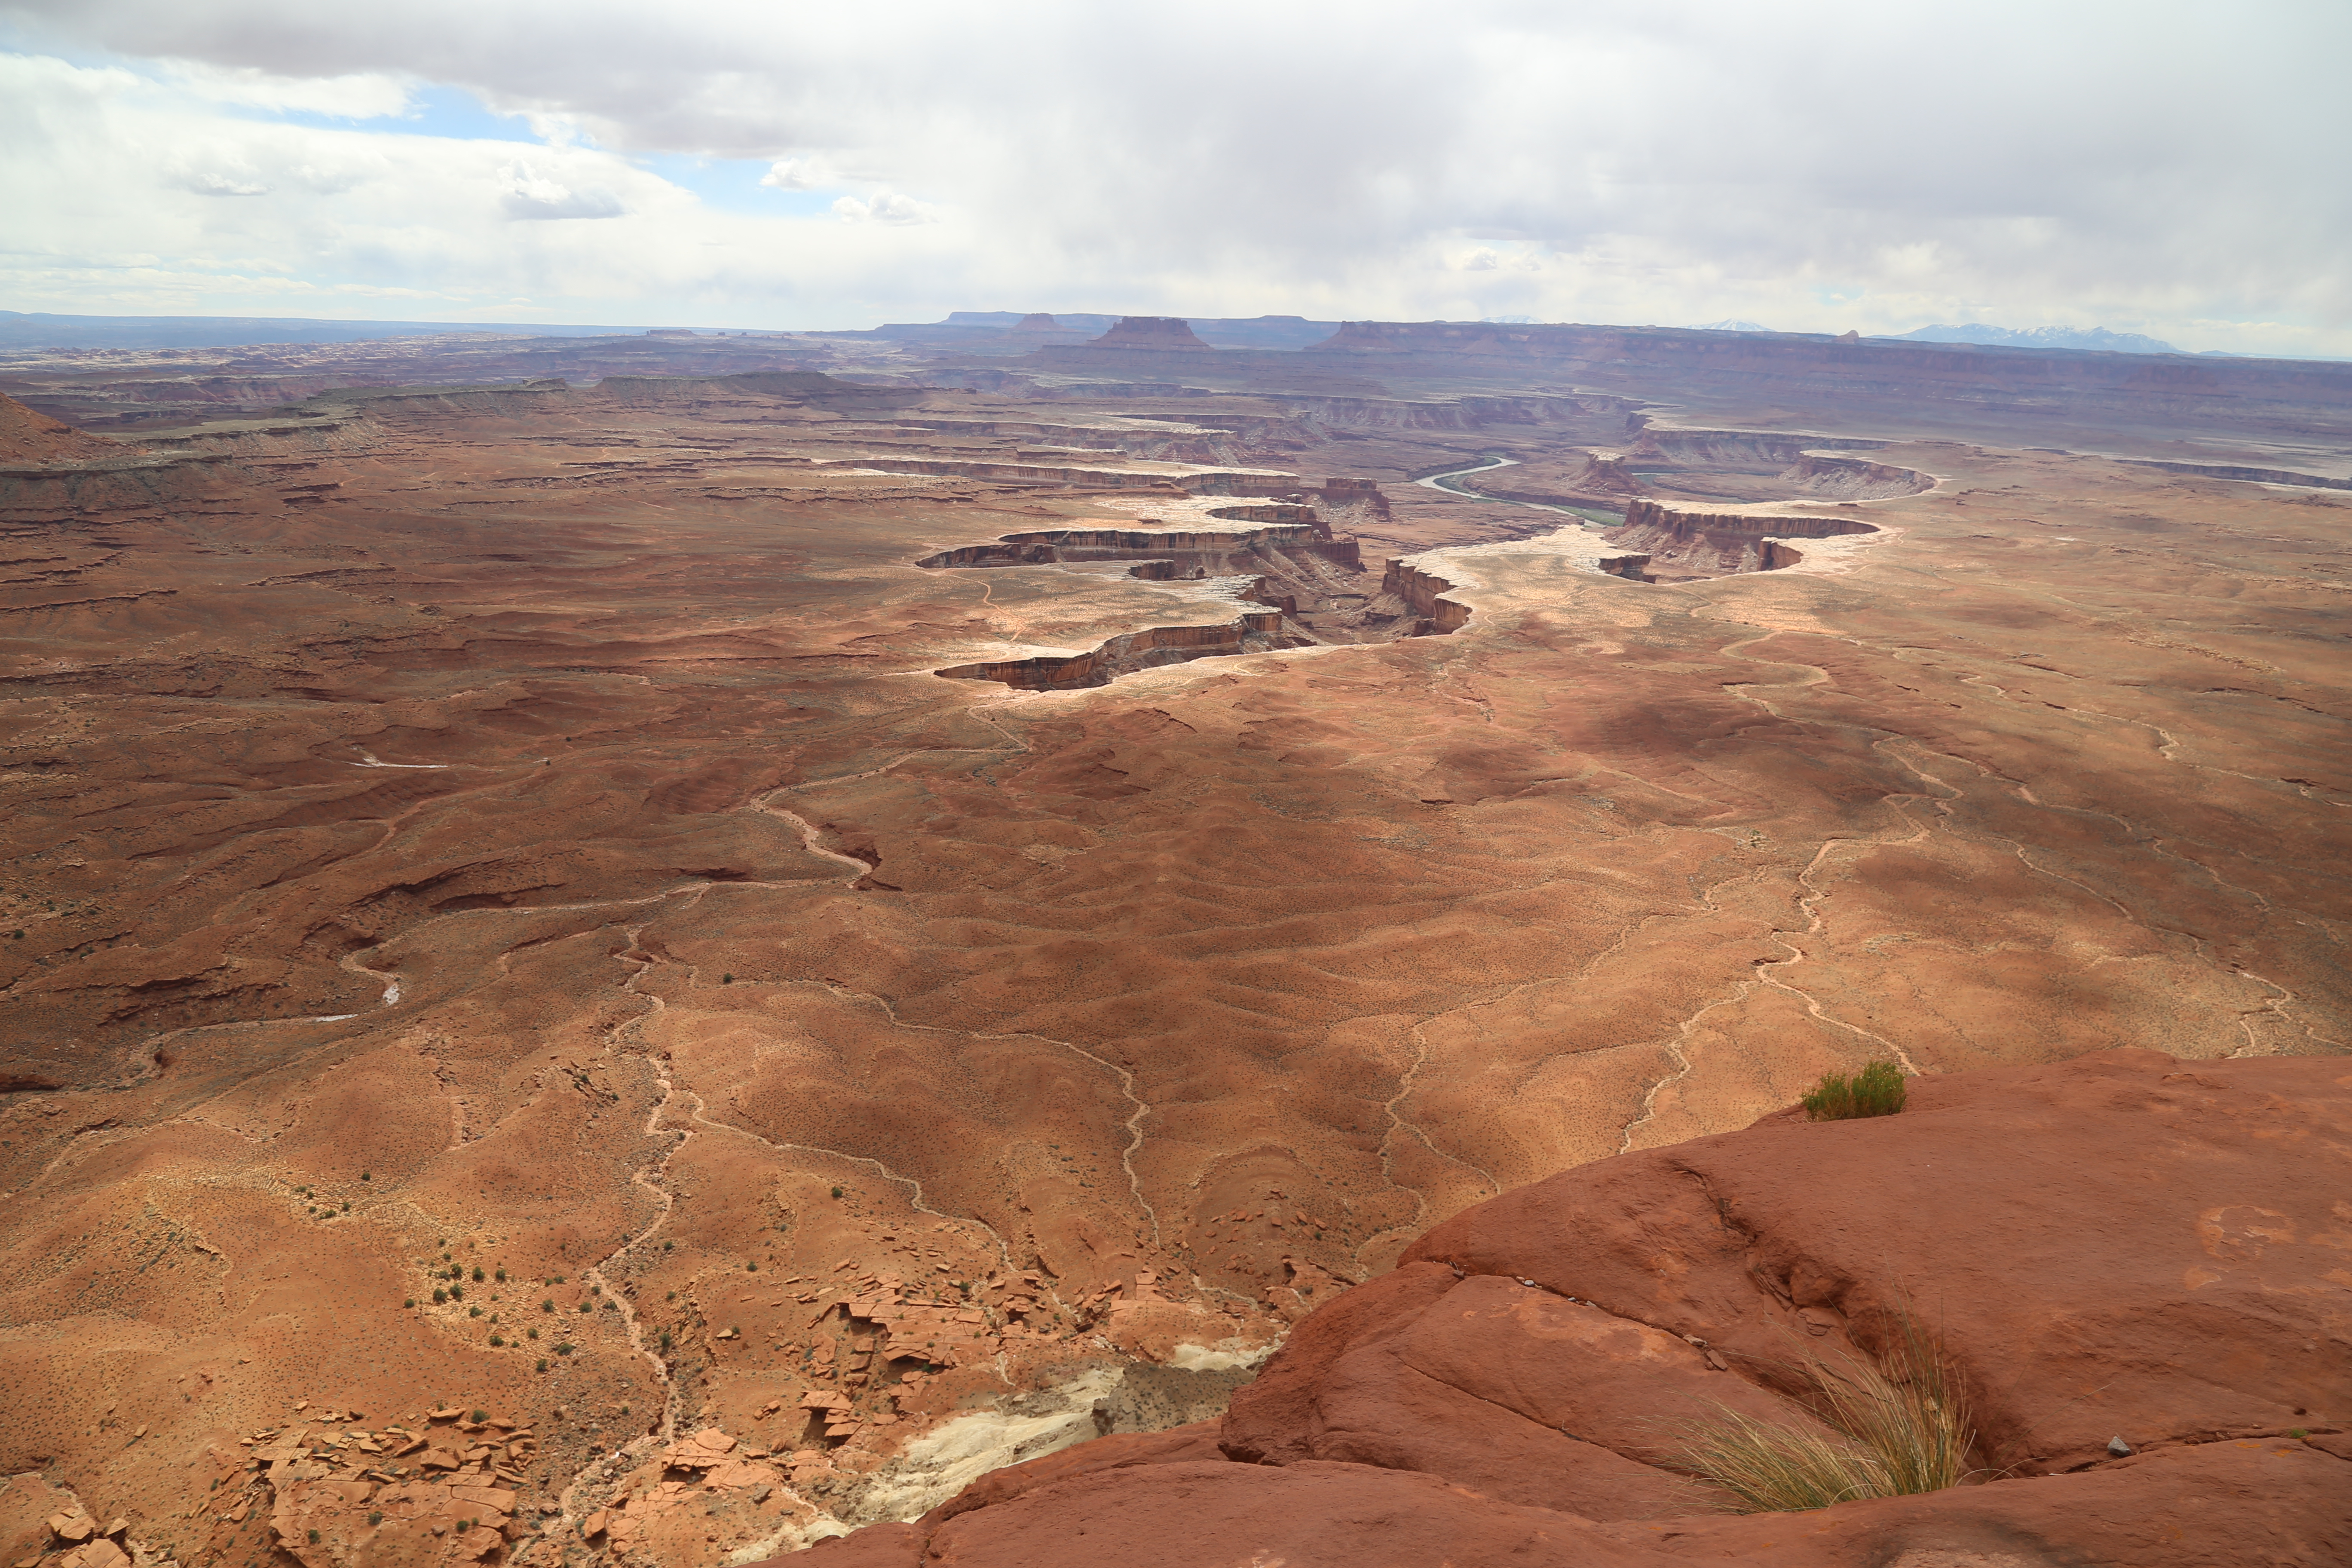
(2178, 170)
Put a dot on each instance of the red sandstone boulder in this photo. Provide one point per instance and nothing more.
(2121, 1246)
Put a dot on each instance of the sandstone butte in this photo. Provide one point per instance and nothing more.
(645, 951)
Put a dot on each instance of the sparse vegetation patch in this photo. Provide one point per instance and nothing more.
(1877, 1091)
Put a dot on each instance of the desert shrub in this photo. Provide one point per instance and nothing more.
(478, 1274)
(481, 1416)
(496, 1339)
(563, 1350)
(547, 1306)
(1877, 1091)
(375, 1516)
(666, 1245)
(473, 1312)
(439, 1295)
(314, 1538)
(1897, 1426)
(543, 1364)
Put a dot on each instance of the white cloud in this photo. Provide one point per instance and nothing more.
(798, 174)
(532, 196)
(1812, 164)
(213, 184)
(360, 95)
(885, 206)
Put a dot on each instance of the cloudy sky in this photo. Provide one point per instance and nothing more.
(2152, 166)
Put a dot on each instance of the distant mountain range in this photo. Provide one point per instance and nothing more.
(2093, 338)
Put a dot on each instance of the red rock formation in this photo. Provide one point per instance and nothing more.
(2123, 1246)
(27, 437)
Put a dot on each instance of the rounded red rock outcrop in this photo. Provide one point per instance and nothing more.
(2119, 1245)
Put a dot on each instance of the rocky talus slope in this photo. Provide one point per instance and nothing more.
(2124, 1251)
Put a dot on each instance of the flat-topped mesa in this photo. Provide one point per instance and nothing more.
(1151, 332)
(1749, 524)
(1686, 545)
(1037, 321)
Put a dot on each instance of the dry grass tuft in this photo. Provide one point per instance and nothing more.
(1899, 1426)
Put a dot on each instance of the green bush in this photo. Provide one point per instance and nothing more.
(1877, 1091)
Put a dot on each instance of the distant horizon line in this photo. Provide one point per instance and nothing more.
(443, 328)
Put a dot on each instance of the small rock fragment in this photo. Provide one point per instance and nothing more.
(2118, 1448)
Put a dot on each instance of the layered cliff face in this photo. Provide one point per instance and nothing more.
(1685, 545)
(1419, 593)
(1250, 632)
(2127, 1264)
